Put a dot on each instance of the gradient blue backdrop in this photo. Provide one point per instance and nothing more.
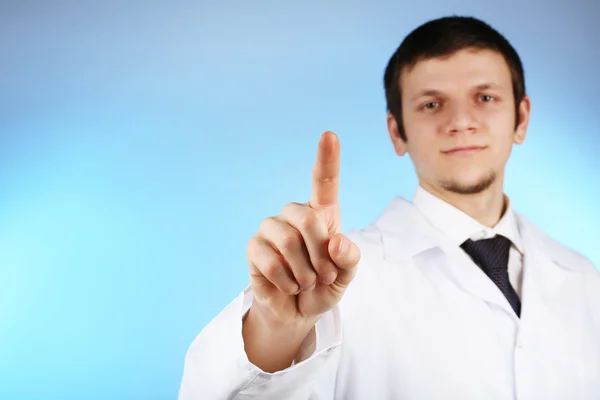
(142, 143)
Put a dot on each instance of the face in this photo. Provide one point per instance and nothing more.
(459, 119)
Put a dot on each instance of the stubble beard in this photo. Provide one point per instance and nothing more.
(482, 185)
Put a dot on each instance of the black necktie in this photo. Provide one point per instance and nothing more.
(492, 257)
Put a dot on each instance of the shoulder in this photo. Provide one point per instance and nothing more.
(562, 254)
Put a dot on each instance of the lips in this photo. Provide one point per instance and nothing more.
(464, 150)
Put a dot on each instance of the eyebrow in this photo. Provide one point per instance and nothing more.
(489, 85)
(437, 93)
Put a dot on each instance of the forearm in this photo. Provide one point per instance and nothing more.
(217, 365)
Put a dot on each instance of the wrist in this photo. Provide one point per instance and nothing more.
(265, 320)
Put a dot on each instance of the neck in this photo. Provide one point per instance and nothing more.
(486, 207)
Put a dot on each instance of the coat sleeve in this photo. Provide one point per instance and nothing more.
(216, 366)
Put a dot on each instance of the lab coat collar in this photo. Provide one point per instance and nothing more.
(405, 233)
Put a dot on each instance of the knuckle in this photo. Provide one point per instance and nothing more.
(290, 208)
(307, 218)
(328, 179)
(256, 245)
(289, 241)
(252, 245)
(272, 269)
(267, 223)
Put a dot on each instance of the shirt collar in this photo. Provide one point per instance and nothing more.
(459, 226)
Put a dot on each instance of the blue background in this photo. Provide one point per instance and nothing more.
(141, 144)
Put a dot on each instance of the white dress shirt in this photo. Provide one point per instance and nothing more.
(459, 227)
(422, 321)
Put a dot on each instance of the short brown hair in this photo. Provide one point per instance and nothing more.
(442, 37)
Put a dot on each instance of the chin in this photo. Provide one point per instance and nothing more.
(470, 185)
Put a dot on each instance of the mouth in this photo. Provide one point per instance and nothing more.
(464, 150)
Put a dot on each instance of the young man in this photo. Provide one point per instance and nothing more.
(452, 295)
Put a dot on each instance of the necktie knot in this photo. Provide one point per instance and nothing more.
(491, 255)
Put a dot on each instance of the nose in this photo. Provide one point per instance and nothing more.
(461, 118)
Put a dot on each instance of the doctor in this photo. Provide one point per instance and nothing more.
(452, 295)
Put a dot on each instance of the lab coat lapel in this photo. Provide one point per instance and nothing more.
(407, 234)
(404, 231)
(542, 276)
(471, 278)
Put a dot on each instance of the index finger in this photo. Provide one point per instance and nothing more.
(326, 172)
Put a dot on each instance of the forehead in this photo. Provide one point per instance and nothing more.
(461, 70)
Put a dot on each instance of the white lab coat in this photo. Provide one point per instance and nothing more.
(421, 321)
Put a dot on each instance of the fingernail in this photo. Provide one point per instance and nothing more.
(329, 278)
(344, 245)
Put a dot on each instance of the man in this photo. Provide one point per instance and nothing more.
(452, 295)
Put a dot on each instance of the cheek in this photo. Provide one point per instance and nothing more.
(501, 147)
(423, 150)
(427, 122)
(505, 146)
(502, 127)
(500, 118)
(421, 129)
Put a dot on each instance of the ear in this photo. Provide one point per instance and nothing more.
(397, 141)
(524, 114)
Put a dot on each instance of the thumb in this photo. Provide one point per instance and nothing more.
(345, 255)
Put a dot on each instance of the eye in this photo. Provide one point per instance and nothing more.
(486, 98)
(431, 105)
